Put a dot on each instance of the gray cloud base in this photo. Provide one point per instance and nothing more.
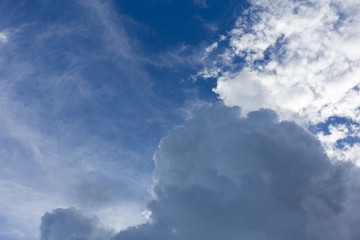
(220, 176)
(71, 224)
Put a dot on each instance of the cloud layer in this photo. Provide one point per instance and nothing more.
(220, 176)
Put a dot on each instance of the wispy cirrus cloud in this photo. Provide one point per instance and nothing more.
(65, 77)
(82, 111)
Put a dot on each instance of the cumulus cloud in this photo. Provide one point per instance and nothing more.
(300, 58)
(220, 176)
(301, 55)
(71, 224)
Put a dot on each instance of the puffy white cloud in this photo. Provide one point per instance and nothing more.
(303, 56)
(300, 58)
(220, 176)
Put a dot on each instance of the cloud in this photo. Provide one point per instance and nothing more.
(219, 176)
(300, 58)
(81, 112)
(201, 3)
(200, 181)
(298, 52)
(3, 37)
(71, 224)
(60, 145)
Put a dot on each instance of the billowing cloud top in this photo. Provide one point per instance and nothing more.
(300, 58)
(220, 176)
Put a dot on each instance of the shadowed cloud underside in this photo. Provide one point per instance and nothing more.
(220, 176)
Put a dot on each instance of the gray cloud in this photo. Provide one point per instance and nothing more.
(71, 224)
(219, 176)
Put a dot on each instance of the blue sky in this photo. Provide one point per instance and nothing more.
(89, 89)
(108, 105)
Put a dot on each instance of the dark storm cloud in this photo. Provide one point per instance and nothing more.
(220, 176)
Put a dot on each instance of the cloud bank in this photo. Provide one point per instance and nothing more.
(220, 176)
(300, 58)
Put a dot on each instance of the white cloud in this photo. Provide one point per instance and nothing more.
(301, 58)
(3, 37)
(45, 154)
(211, 47)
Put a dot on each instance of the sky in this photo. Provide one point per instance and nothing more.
(179, 119)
